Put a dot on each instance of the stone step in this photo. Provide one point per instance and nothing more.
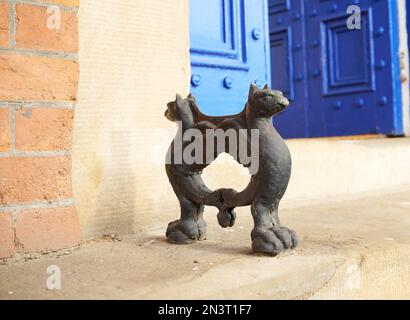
(350, 248)
(325, 168)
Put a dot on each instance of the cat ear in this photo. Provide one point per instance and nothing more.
(253, 88)
(178, 99)
(191, 97)
(266, 87)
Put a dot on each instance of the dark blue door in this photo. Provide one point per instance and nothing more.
(287, 60)
(229, 50)
(344, 82)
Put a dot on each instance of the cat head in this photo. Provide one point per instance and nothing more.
(180, 109)
(265, 102)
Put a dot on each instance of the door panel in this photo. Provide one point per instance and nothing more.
(351, 72)
(344, 82)
(287, 64)
(228, 52)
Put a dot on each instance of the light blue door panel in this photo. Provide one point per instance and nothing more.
(228, 52)
(341, 81)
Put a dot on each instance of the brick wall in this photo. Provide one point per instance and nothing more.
(39, 75)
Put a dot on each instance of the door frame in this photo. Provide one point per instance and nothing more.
(404, 30)
(397, 84)
(267, 41)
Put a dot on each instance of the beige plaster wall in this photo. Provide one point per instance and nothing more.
(134, 57)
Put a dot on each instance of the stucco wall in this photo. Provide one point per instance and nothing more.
(134, 58)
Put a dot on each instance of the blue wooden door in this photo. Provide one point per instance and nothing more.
(287, 60)
(344, 82)
(229, 50)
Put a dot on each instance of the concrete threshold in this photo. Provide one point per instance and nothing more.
(326, 168)
(351, 248)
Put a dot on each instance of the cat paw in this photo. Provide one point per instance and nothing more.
(186, 231)
(273, 240)
(226, 218)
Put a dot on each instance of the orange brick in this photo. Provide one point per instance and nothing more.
(33, 29)
(4, 130)
(4, 24)
(67, 3)
(47, 229)
(43, 129)
(37, 78)
(27, 179)
(7, 248)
